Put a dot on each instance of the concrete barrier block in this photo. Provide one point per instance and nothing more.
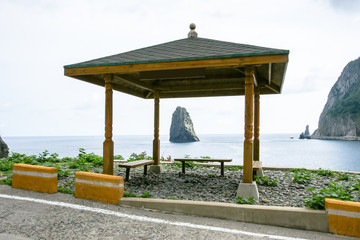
(290, 217)
(35, 178)
(99, 187)
(344, 217)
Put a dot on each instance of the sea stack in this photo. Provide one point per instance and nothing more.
(182, 129)
(4, 149)
(340, 118)
(306, 134)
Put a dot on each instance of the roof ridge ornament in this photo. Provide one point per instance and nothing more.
(192, 33)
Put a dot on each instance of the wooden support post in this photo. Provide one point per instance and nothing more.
(156, 142)
(108, 148)
(257, 125)
(222, 166)
(249, 119)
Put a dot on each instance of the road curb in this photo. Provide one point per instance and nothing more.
(289, 217)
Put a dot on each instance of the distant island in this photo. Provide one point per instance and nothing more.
(340, 118)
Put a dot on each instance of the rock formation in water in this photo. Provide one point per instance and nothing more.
(340, 118)
(4, 150)
(182, 129)
(306, 134)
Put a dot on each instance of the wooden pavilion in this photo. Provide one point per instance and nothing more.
(190, 67)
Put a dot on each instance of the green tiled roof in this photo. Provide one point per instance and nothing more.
(181, 50)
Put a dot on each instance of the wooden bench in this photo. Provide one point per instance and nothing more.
(257, 165)
(221, 161)
(134, 164)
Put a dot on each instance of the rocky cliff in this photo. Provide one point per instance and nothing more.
(340, 118)
(182, 129)
(4, 150)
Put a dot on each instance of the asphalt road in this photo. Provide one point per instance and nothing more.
(32, 215)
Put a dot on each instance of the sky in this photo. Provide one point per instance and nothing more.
(39, 37)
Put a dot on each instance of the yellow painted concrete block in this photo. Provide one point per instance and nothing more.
(344, 217)
(35, 178)
(99, 187)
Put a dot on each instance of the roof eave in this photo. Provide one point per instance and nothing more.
(70, 70)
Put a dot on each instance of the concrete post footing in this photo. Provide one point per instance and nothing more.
(247, 190)
(156, 168)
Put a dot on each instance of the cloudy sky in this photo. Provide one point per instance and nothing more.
(37, 38)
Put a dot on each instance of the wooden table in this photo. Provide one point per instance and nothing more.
(221, 161)
(135, 164)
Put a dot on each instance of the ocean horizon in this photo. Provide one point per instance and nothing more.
(279, 150)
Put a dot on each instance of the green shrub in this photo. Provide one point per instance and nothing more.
(63, 173)
(66, 190)
(7, 181)
(302, 178)
(45, 156)
(334, 190)
(129, 194)
(146, 195)
(5, 165)
(165, 159)
(95, 160)
(242, 200)
(265, 181)
(356, 185)
(343, 176)
(141, 156)
(189, 164)
(324, 172)
(300, 170)
(118, 157)
(74, 165)
(234, 168)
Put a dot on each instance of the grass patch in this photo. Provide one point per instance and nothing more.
(129, 194)
(242, 200)
(66, 190)
(234, 168)
(146, 195)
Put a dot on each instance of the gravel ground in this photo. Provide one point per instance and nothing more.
(205, 184)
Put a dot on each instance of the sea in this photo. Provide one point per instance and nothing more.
(279, 150)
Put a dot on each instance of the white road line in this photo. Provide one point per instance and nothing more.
(146, 219)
